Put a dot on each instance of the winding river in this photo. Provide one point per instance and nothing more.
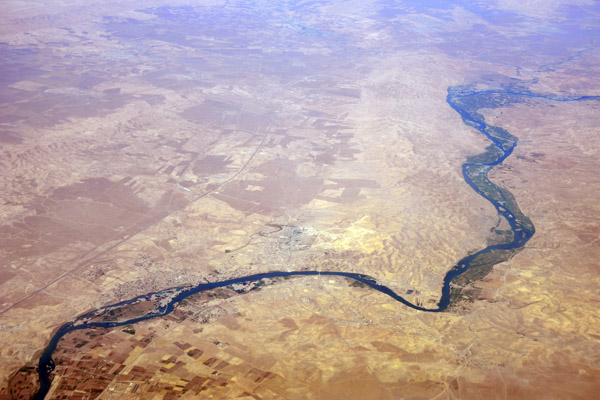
(463, 100)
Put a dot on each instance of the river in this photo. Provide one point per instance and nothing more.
(466, 102)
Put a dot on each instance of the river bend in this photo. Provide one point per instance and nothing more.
(466, 102)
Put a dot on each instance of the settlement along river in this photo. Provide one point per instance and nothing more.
(463, 100)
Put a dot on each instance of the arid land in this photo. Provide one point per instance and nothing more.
(143, 149)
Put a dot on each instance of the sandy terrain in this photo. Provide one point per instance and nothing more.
(148, 148)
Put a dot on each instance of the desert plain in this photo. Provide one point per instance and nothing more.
(156, 146)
